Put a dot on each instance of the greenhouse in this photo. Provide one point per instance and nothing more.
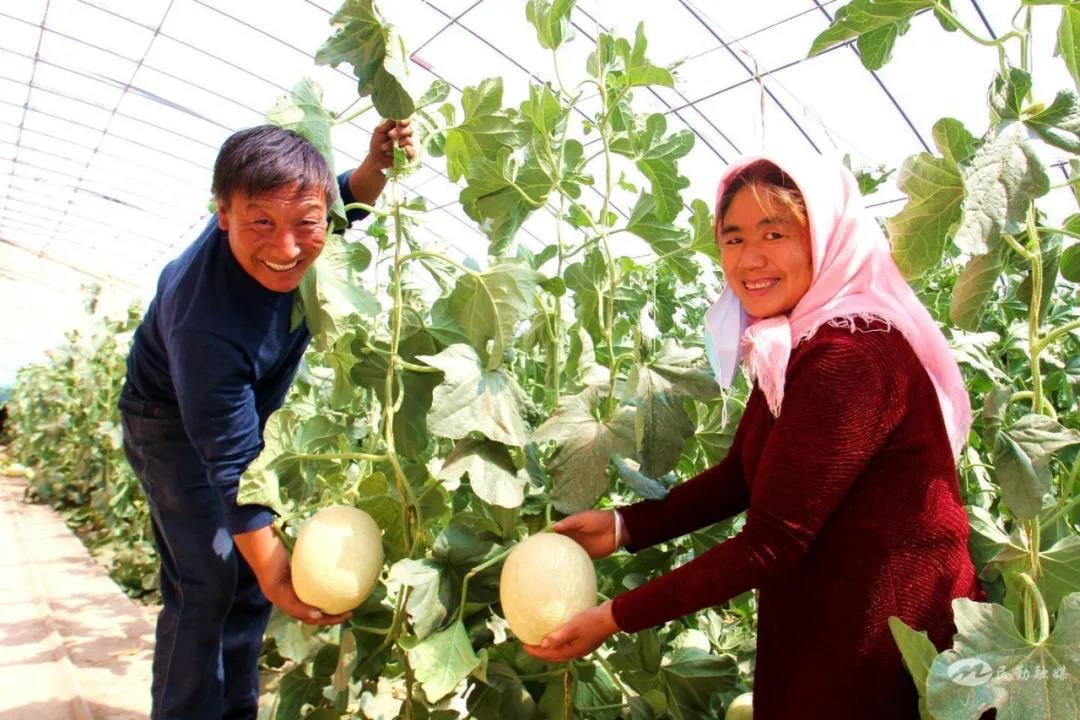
(541, 359)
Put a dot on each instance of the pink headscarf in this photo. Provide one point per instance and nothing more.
(853, 276)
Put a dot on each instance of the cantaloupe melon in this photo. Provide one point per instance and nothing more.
(337, 559)
(546, 580)
(741, 708)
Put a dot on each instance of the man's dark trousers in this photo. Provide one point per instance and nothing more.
(209, 632)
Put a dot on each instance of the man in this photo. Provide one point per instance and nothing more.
(212, 358)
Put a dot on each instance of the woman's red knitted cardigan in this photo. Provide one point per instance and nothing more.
(853, 515)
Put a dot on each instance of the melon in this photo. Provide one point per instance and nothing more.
(337, 559)
(546, 580)
(741, 708)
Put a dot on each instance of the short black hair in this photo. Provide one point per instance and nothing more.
(265, 158)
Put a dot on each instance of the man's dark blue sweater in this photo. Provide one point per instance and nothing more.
(216, 351)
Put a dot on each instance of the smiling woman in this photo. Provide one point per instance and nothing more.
(765, 241)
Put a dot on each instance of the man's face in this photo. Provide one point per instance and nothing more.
(275, 237)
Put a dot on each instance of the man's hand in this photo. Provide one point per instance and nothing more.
(593, 530)
(582, 634)
(368, 180)
(266, 555)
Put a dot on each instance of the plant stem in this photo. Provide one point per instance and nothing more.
(475, 571)
(1057, 332)
(356, 457)
(999, 42)
(609, 319)
(411, 511)
(1036, 614)
(1035, 307)
(364, 206)
(353, 115)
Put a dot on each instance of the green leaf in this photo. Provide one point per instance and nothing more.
(657, 158)
(1022, 460)
(585, 446)
(501, 697)
(992, 665)
(954, 141)
(1070, 263)
(935, 190)
(484, 131)
(378, 497)
(644, 486)
(704, 237)
(861, 17)
(1059, 123)
(625, 66)
(587, 280)
(673, 245)
(551, 20)
(472, 399)
(443, 660)
(502, 192)
(1008, 95)
(1069, 40)
(1004, 177)
(376, 54)
(876, 46)
(918, 654)
(491, 471)
(974, 288)
(1060, 570)
(489, 306)
(437, 92)
(692, 677)
(661, 425)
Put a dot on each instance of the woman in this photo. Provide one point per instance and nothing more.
(843, 460)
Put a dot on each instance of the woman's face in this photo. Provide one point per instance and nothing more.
(765, 253)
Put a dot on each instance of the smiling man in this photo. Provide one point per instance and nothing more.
(213, 357)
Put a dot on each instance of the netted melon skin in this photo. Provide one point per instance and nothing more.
(337, 559)
(546, 580)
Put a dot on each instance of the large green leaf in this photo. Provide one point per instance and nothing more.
(875, 47)
(1004, 177)
(376, 54)
(502, 192)
(918, 654)
(484, 130)
(974, 288)
(551, 20)
(489, 306)
(625, 65)
(1060, 570)
(472, 399)
(1070, 263)
(657, 158)
(587, 280)
(443, 660)
(436, 580)
(935, 190)
(1022, 460)
(673, 245)
(585, 446)
(992, 665)
(492, 474)
(1059, 123)
(1069, 39)
(861, 17)
(691, 677)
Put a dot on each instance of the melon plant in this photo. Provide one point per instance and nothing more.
(337, 559)
(464, 403)
(546, 580)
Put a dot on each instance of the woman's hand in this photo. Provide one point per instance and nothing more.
(268, 559)
(593, 530)
(582, 634)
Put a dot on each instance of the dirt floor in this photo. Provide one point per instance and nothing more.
(72, 645)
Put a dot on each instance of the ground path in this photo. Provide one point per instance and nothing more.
(72, 645)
